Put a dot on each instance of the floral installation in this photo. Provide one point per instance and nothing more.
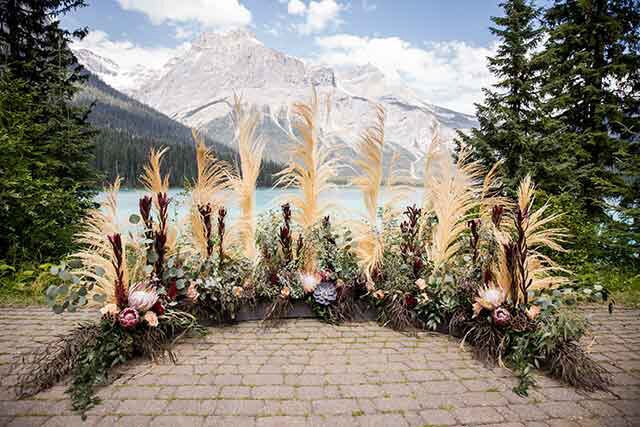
(467, 261)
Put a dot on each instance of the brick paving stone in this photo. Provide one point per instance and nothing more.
(438, 417)
(312, 374)
(478, 415)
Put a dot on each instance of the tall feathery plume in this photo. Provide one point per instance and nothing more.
(101, 259)
(452, 194)
(152, 178)
(310, 167)
(522, 267)
(158, 187)
(250, 149)
(369, 245)
(207, 195)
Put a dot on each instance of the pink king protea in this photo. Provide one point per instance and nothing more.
(129, 318)
(501, 316)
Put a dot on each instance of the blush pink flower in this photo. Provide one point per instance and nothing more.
(192, 292)
(128, 318)
(532, 312)
(501, 316)
(151, 318)
(309, 282)
(109, 309)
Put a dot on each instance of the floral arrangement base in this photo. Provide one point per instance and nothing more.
(299, 310)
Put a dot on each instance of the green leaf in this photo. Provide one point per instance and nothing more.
(181, 283)
(152, 256)
(99, 297)
(58, 309)
(134, 219)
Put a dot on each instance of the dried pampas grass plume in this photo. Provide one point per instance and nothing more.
(152, 178)
(310, 167)
(540, 269)
(97, 259)
(207, 192)
(452, 194)
(250, 149)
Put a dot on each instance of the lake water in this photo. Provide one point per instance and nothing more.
(347, 201)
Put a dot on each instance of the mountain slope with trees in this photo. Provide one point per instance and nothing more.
(128, 129)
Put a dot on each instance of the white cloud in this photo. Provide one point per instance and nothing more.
(209, 13)
(183, 33)
(296, 7)
(368, 7)
(451, 74)
(319, 15)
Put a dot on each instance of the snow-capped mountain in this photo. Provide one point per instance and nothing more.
(196, 88)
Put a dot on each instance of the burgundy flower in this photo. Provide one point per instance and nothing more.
(158, 308)
(172, 292)
(410, 301)
(129, 318)
(501, 316)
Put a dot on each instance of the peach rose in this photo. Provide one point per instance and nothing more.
(309, 282)
(109, 309)
(151, 318)
(421, 284)
(285, 292)
(237, 291)
(532, 312)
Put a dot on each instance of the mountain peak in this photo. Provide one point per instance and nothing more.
(211, 39)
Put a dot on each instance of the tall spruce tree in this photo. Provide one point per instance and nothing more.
(590, 82)
(507, 119)
(46, 179)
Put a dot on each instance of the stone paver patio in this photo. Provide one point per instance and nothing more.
(310, 373)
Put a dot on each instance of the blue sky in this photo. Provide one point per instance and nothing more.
(435, 46)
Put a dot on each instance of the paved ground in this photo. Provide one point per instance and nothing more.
(309, 373)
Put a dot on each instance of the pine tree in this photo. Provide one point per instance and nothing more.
(49, 182)
(590, 83)
(507, 119)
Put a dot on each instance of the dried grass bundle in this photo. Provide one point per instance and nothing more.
(571, 364)
(368, 241)
(250, 149)
(157, 185)
(97, 260)
(207, 194)
(152, 178)
(452, 194)
(522, 265)
(310, 167)
(42, 368)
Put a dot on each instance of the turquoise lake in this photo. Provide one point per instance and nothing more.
(347, 202)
